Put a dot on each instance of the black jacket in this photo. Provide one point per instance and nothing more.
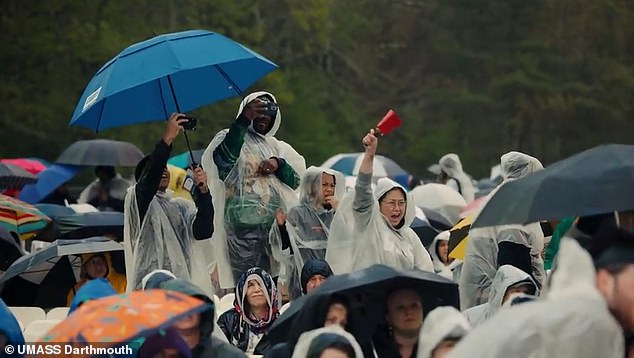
(229, 323)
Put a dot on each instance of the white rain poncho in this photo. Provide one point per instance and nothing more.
(451, 165)
(441, 324)
(163, 240)
(360, 236)
(506, 277)
(247, 199)
(308, 226)
(444, 270)
(571, 320)
(117, 188)
(480, 261)
(321, 338)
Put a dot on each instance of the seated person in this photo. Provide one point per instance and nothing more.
(442, 330)
(98, 265)
(404, 316)
(328, 342)
(314, 273)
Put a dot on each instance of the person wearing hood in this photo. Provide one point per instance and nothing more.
(97, 265)
(444, 327)
(162, 232)
(155, 279)
(107, 192)
(452, 175)
(374, 227)
(314, 273)
(197, 329)
(168, 343)
(325, 342)
(92, 290)
(488, 248)
(439, 251)
(252, 175)
(508, 281)
(571, 319)
(256, 307)
(613, 253)
(10, 332)
(302, 235)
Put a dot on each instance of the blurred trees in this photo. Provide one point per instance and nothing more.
(479, 78)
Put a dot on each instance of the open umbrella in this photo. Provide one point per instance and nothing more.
(14, 177)
(21, 218)
(176, 72)
(458, 237)
(83, 225)
(51, 272)
(441, 199)
(595, 181)
(30, 165)
(366, 291)
(122, 318)
(184, 160)
(349, 164)
(427, 224)
(101, 152)
(47, 181)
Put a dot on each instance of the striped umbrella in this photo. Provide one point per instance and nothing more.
(14, 177)
(458, 238)
(22, 218)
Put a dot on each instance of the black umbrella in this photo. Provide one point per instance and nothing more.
(428, 225)
(14, 177)
(598, 180)
(83, 225)
(101, 152)
(9, 249)
(366, 291)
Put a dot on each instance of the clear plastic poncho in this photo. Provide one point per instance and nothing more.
(441, 268)
(360, 236)
(163, 240)
(441, 323)
(308, 226)
(571, 320)
(451, 165)
(322, 337)
(117, 188)
(247, 199)
(506, 277)
(480, 261)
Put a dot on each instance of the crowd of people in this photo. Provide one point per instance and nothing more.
(269, 230)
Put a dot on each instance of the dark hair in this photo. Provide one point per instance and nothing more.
(613, 249)
(330, 340)
(106, 169)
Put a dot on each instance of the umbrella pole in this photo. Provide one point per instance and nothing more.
(178, 109)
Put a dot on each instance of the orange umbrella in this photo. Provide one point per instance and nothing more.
(113, 320)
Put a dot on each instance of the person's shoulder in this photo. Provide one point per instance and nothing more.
(224, 349)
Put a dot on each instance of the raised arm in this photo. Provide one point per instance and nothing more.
(363, 197)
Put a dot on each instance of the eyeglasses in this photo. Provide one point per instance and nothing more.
(394, 203)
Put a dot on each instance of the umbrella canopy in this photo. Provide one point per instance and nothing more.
(175, 72)
(441, 199)
(184, 160)
(9, 249)
(595, 181)
(54, 211)
(349, 163)
(30, 165)
(427, 224)
(83, 225)
(14, 177)
(47, 181)
(101, 152)
(21, 217)
(122, 318)
(36, 266)
(367, 291)
(458, 237)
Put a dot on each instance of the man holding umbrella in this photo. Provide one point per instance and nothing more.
(160, 231)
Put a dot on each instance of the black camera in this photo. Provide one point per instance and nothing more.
(271, 108)
(190, 124)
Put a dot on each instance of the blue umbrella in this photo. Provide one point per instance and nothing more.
(47, 181)
(168, 73)
(184, 160)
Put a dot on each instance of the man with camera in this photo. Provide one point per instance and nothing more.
(161, 232)
(251, 175)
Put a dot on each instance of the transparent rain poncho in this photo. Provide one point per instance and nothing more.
(117, 188)
(480, 261)
(308, 226)
(313, 343)
(451, 165)
(360, 236)
(570, 320)
(245, 202)
(442, 323)
(441, 268)
(163, 240)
